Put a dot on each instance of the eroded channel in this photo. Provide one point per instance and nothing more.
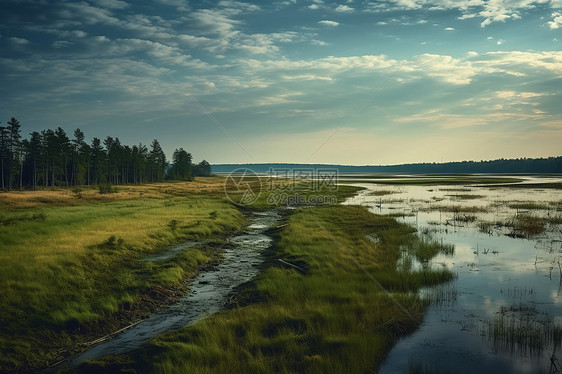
(208, 292)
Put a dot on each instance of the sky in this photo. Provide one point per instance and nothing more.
(303, 81)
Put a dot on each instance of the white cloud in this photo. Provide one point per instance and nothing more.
(328, 23)
(181, 5)
(306, 77)
(88, 14)
(327, 65)
(344, 9)
(214, 21)
(19, 41)
(446, 68)
(239, 5)
(449, 29)
(284, 98)
(490, 10)
(456, 71)
(511, 95)
(556, 21)
(522, 62)
(112, 4)
(313, 6)
(444, 120)
(409, 4)
(318, 42)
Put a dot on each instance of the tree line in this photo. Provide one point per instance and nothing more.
(507, 166)
(52, 158)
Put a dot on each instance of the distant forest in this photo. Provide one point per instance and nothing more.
(51, 158)
(507, 166)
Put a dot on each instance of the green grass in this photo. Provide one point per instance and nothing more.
(466, 197)
(457, 209)
(529, 205)
(71, 269)
(523, 225)
(343, 315)
(527, 225)
(523, 328)
(425, 249)
(382, 192)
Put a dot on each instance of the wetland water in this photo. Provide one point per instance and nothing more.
(208, 292)
(503, 312)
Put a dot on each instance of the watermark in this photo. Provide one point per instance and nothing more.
(299, 199)
(283, 186)
(243, 186)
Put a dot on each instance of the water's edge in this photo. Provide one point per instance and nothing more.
(208, 293)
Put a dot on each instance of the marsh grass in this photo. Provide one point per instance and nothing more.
(56, 196)
(333, 319)
(466, 197)
(528, 205)
(425, 248)
(466, 218)
(70, 268)
(523, 329)
(526, 225)
(382, 193)
(486, 227)
(522, 225)
(457, 209)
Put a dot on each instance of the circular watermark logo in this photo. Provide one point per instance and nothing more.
(242, 186)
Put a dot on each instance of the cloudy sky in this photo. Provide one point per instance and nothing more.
(352, 82)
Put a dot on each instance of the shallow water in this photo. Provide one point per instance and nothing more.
(500, 278)
(208, 292)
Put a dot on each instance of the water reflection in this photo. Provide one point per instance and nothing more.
(501, 313)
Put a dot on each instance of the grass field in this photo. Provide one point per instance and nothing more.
(70, 266)
(342, 313)
(71, 260)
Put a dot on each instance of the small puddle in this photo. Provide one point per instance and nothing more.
(208, 292)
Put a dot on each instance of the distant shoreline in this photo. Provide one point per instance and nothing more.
(550, 165)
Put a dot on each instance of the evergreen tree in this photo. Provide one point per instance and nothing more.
(34, 153)
(202, 169)
(4, 153)
(15, 151)
(49, 156)
(181, 169)
(157, 161)
(63, 154)
(98, 157)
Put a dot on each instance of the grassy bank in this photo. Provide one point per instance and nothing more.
(73, 261)
(341, 312)
(71, 265)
